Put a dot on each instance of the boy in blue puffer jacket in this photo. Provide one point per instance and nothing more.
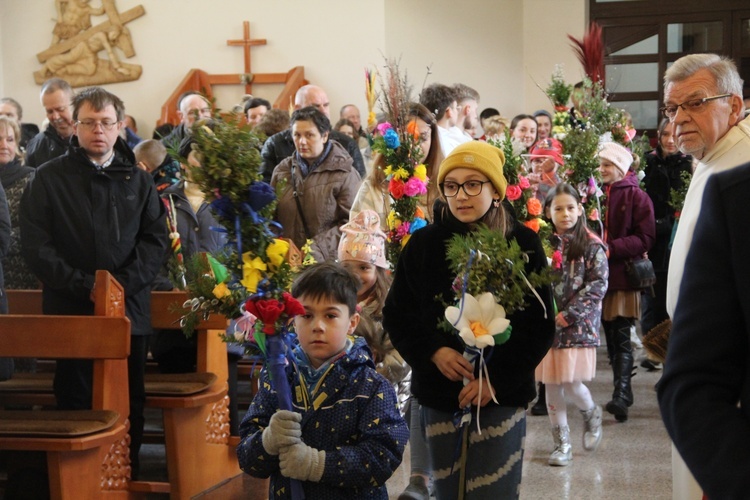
(345, 436)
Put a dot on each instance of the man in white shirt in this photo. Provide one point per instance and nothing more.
(703, 97)
(468, 103)
(442, 102)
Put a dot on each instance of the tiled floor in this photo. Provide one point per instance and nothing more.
(633, 460)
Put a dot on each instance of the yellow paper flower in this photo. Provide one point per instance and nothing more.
(276, 252)
(405, 240)
(221, 290)
(393, 221)
(252, 271)
(388, 170)
(420, 172)
(401, 173)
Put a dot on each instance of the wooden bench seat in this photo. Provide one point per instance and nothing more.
(200, 453)
(36, 388)
(95, 441)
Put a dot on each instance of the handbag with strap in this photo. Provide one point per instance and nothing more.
(640, 273)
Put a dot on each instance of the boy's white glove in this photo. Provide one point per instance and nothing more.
(283, 430)
(302, 462)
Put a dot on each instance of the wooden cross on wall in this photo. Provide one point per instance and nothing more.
(246, 43)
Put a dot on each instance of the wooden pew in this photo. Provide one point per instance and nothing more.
(87, 451)
(200, 452)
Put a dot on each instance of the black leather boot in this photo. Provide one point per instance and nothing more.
(540, 407)
(622, 397)
(622, 367)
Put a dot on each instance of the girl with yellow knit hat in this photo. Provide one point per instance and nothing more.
(472, 186)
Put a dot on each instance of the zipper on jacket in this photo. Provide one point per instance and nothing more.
(115, 219)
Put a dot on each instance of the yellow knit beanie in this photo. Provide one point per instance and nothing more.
(479, 156)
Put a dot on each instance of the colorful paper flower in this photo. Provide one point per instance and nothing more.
(400, 173)
(532, 224)
(292, 306)
(276, 252)
(384, 127)
(252, 271)
(260, 195)
(393, 221)
(391, 139)
(534, 207)
(480, 323)
(557, 259)
(267, 311)
(414, 187)
(523, 182)
(396, 188)
(420, 172)
(417, 224)
(513, 192)
(413, 129)
(221, 290)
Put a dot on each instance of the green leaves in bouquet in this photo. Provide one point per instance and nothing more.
(677, 196)
(497, 266)
(200, 288)
(229, 153)
(558, 91)
(513, 161)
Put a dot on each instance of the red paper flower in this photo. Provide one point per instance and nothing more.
(267, 311)
(396, 188)
(292, 306)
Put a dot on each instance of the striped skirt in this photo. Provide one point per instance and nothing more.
(489, 463)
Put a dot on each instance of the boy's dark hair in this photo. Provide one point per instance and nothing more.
(256, 102)
(312, 114)
(437, 98)
(328, 281)
(487, 112)
(273, 122)
(98, 98)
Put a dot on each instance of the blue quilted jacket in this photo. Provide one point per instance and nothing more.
(351, 413)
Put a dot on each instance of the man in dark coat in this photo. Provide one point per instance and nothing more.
(191, 106)
(280, 146)
(56, 97)
(91, 209)
(704, 394)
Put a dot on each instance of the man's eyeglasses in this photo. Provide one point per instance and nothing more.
(471, 188)
(91, 125)
(691, 106)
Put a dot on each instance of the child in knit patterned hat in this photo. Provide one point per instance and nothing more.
(362, 251)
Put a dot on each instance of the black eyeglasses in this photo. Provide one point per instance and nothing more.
(691, 106)
(471, 188)
(91, 125)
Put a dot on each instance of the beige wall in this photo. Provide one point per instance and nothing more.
(497, 46)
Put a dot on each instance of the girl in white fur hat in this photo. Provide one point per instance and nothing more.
(629, 232)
